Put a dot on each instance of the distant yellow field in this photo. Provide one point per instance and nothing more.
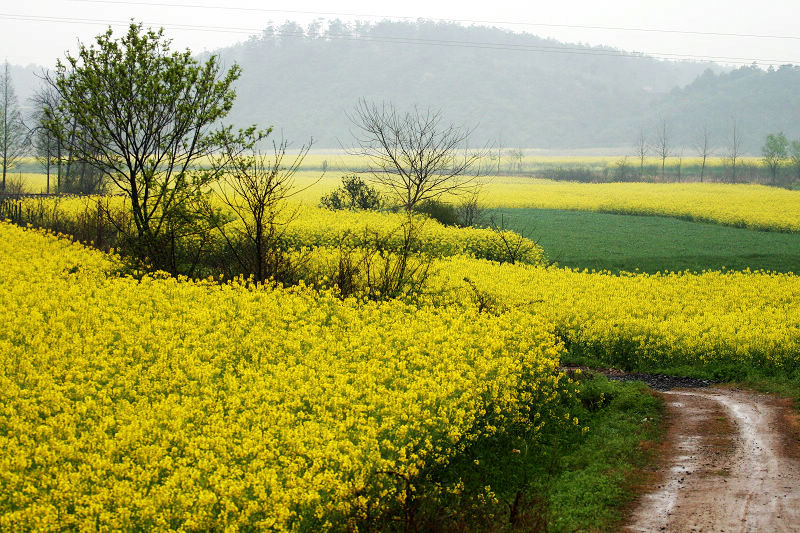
(339, 161)
(751, 206)
(31, 182)
(342, 161)
(742, 205)
(748, 318)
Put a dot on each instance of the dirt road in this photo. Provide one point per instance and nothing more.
(731, 463)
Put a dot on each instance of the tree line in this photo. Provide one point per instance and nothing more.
(64, 165)
(780, 158)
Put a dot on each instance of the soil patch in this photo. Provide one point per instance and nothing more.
(659, 382)
(730, 463)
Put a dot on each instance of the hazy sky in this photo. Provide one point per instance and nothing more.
(39, 31)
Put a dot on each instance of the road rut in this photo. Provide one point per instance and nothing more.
(732, 464)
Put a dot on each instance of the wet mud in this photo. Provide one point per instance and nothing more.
(659, 382)
(730, 463)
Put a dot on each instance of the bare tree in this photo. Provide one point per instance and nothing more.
(734, 149)
(59, 138)
(641, 151)
(255, 186)
(703, 148)
(517, 156)
(58, 142)
(46, 144)
(499, 153)
(663, 146)
(470, 211)
(14, 134)
(415, 155)
(515, 247)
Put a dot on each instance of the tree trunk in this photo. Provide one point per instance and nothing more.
(58, 155)
(703, 169)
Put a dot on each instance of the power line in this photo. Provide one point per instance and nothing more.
(417, 41)
(412, 40)
(471, 21)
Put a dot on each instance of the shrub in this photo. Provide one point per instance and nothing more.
(470, 212)
(353, 194)
(442, 212)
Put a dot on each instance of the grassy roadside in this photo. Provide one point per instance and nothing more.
(771, 381)
(597, 477)
(582, 480)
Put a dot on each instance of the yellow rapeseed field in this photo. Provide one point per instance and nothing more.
(751, 206)
(303, 225)
(167, 404)
(660, 320)
(742, 205)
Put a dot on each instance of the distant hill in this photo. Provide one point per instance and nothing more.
(760, 102)
(559, 96)
(518, 89)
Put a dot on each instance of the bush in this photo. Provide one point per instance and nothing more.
(470, 211)
(353, 194)
(442, 212)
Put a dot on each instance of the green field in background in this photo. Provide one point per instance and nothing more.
(649, 243)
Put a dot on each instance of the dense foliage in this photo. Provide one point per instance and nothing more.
(142, 114)
(305, 227)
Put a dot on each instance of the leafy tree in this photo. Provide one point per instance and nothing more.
(14, 135)
(142, 115)
(774, 152)
(517, 156)
(621, 171)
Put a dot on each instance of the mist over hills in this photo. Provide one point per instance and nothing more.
(25, 81)
(545, 95)
(518, 90)
(760, 102)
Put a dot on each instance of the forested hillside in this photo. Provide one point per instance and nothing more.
(759, 101)
(517, 89)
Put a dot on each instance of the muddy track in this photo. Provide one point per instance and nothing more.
(730, 463)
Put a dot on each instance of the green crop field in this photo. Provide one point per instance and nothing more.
(613, 242)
